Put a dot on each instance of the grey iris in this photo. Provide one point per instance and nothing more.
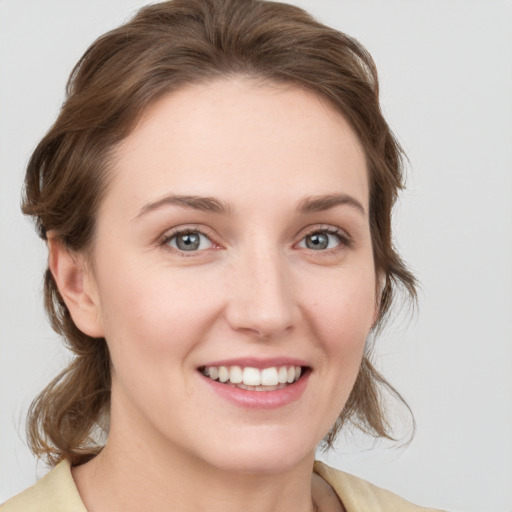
(188, 241)
(317, 241)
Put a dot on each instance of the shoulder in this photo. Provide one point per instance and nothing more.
(358, 494)
(55, 492)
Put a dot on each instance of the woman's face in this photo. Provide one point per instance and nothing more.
(234, 240)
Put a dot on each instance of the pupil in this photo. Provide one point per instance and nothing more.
(188, 241)
(317, 241)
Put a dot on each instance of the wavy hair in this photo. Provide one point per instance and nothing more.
(166, 46)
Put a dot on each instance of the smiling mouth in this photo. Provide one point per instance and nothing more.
(255, 379)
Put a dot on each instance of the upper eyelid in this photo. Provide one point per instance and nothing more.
(164, 239)
(191, 228)
(318, 228)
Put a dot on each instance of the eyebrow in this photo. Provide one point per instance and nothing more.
(211, 204)
(321, 203)
(201, 203)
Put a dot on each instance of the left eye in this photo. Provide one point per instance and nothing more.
(190, 241)
(320, 240)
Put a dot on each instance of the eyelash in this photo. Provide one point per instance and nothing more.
(344, 239)
(168, 237)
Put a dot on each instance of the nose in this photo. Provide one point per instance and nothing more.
(262, 298)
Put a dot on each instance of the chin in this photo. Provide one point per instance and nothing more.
(266, 453)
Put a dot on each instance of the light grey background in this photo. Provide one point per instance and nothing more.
(446, 73)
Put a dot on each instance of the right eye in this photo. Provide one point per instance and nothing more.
(189, 241)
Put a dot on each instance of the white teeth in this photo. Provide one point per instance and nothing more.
(282, 375)
(235, 374)
(261, 388)
(266, 379)
(269, 377)
(251, 376)
(223, 374)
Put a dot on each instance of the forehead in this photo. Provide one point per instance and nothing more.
(236, 138)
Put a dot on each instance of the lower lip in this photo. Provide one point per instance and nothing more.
(260, 399)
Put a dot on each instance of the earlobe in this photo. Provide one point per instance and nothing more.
(76, 287)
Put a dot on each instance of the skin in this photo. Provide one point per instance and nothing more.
(253, 289)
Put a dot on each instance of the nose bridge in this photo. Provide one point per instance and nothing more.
(263, 300)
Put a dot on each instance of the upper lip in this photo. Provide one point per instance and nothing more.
(256, 362)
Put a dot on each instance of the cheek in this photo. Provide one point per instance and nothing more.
(344, 308)
(341, 313)
(156, 313)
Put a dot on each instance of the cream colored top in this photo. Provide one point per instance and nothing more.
(57, 492)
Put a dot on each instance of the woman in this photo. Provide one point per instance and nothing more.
(216, 197)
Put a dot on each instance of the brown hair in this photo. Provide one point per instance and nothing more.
(164, 47)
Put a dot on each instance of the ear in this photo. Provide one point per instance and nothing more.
(77, 287)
